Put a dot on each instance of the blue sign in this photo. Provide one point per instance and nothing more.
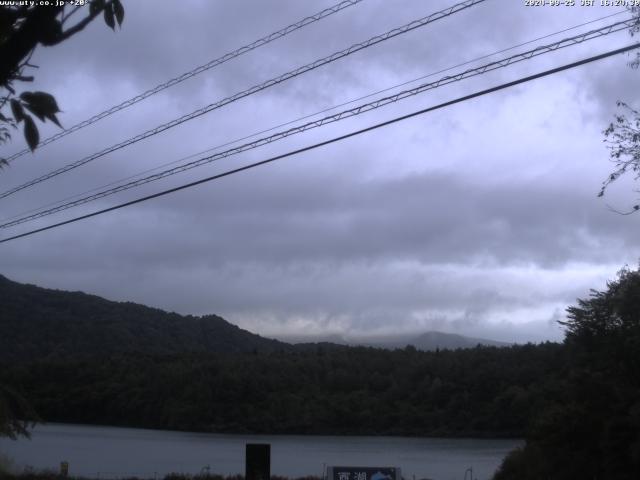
(363, 473)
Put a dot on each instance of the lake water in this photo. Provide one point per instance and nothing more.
(108, 452)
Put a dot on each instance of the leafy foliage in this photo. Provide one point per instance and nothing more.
(623, 137)
(22, 28)
(591, 427)
(614, 313)
(623, 134)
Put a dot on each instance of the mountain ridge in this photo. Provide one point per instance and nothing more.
(425, 341)
(41, 323)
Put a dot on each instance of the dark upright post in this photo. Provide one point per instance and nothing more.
(258, 461)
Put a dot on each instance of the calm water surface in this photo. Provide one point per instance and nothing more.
(109, 452)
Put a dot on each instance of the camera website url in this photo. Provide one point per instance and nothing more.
(42, 3)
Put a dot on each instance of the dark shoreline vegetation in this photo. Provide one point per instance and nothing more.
(577, 404)
(82, 359)
(170, 476)
(481, 392)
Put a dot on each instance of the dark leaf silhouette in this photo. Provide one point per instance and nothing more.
(31, 132)
(109, 17)
(42, 105)
(22, 30)
(16, 110)
(118, 9)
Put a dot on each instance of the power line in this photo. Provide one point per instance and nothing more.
(196, 71)
(541, 50)
(324, 110)
(332, 140)
(290, 122)
(257, 88)
(336, 117)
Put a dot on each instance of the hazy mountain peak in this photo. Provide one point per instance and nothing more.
(430, 340)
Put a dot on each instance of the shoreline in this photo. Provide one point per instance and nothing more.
(442, 436)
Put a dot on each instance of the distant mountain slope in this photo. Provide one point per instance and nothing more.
(40, 323)
(427, 341)
(433, 340)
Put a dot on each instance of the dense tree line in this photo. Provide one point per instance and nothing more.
(590, 427)
(486, 391)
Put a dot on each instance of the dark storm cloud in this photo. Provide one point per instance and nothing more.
(429, 218)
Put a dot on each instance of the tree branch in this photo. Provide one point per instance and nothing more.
(634, 209)
(22, 78)
(78, 27)
(18, 46)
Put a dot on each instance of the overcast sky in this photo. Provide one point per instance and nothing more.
(479, 219)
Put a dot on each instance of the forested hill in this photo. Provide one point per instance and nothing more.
(38, 323)
(577, 403)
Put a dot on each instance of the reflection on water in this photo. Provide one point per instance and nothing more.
(110, 452)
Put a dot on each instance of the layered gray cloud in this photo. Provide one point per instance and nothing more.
(479, 219)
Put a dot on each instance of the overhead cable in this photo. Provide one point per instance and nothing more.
(332, 140)
(196, 71)
(311, 115)
(257, 88)
(381, 102)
